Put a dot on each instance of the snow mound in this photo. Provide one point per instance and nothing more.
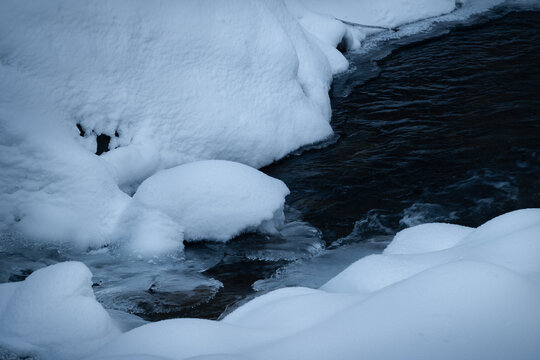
(51, 189)
(510, 240)
(215, 199)
(473, 294)
(158, 86)
(457, 310)
(188, 80)
(54, 314)
(161, 86)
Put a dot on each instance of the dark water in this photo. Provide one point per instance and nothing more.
(448, 129)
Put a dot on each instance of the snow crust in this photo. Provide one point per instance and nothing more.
(388, 13)
(443, 291)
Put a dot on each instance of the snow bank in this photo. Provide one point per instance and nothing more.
(350, 22)
(191, 80)
(510, 240)
(472, 294)
(167, 82)
(440, 291)
(387, 14)
(54, 314)
(160, 84)
(51, 189)
(215, 199)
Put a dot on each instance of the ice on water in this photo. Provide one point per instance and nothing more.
(193, 96)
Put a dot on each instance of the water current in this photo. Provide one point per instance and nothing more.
(441, 126)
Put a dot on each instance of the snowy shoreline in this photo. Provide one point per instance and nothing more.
(463, 274)
(245, 84)
(438, 291)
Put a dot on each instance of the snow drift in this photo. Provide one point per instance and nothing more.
(441, 291)
(204, 200)
(386, 14)
(215, 199)
(159, 84)
(54, 313)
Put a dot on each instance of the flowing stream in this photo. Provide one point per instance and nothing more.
(442, 126)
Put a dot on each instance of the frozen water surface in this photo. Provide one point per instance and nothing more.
(189, 283)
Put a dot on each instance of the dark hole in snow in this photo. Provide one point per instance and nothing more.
(343, 46)
(20, 276)
(81, 130)
(102, 143)
(116, 133)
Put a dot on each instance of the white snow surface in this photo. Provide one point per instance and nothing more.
(473, 294)
(388, 13)
(442, 291)
(170, 82)
(215, 199)
(54, 313)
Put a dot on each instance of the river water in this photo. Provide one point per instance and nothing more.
(444, 126)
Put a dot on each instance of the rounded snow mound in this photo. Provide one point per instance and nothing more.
(54, 313)
(215, 199)
(509, 240)
(427, 238)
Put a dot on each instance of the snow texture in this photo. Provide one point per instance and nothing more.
(443, 291)
(164, 83)
(214, 199)
(171, 84)
(388, 13)
(168, 82)
(54, 313)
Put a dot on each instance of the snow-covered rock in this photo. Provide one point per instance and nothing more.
(510, 240)
(54, 314)
(168, 82)
(457, 310)
(443, 291)
(174, 83)
(472, 294)
(51, 189)
(215, 199)
(191, 80)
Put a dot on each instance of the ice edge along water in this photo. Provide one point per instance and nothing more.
(438, 291)
(238, 81)
(54, 181)
(244, 82)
